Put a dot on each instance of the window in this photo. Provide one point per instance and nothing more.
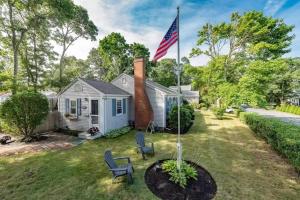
(119, 107)
(124, 81)
(94, 110)
(73, 108)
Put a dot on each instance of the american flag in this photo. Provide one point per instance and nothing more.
(169, 39)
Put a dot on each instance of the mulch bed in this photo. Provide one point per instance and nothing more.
(158, 182)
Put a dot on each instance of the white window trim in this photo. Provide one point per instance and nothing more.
(70, 107)
(118, 114)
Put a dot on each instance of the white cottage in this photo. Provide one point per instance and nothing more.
(90, 103)
(93, 103)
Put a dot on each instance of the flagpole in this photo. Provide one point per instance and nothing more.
(179, 147)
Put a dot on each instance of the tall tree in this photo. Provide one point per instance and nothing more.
(71, 22)
(95, 62)
(114, 51)
(14, 24)
(73, 68)
(117, 55)
(252, 34)
(163, 73)
(36, 51)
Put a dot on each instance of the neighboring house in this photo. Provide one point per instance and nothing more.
(92, 103)
(295, 100)
(51, 96)
(187, 93)
(89, 103)
(51, 122)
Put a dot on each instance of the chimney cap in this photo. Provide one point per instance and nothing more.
(139, 59)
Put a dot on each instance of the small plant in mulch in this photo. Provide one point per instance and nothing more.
(179, 177)
(194, 182)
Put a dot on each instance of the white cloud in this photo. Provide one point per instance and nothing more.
(115, 18)
(111, 17)
(272, 6)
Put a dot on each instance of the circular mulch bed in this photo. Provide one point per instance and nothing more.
(158, 182)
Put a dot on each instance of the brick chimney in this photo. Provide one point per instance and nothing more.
(142, 106)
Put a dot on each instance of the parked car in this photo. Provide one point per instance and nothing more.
(229, 110)
(244, 106)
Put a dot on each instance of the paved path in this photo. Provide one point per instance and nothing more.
(55, 141)
(287, 117)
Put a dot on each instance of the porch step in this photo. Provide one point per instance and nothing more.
(88, 136)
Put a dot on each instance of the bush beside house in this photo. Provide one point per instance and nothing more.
(25, 111)
(185, 119)
(117, 132)
(284, 137)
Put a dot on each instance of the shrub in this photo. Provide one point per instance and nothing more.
(117, 132)
(203, 105)
(238, 111)
(185, 102)
(283, 137)
(25, 111)
(181, 178)
(8, 129)
(289, 108)
(190, 108)
(185, 118)
(219, 112)
(196, 106)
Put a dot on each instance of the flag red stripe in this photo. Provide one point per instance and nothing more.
(164, 48)
(162, 53)
(164, 42)
(167, 44)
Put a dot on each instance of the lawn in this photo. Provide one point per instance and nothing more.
(243, 166)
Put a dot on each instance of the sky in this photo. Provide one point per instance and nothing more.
(146, 21)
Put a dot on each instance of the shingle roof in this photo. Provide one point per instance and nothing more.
(153, 84)
(105, 88)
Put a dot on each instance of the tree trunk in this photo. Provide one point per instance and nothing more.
(35, 82)
(14, 46)
(61, 63)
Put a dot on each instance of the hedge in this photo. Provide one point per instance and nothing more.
(117, 132)
(289, 109)
(283, 137)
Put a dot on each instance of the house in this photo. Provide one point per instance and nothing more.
(93, 103)
(51, 96)
(187, 93)
(295, 99)
(90, 103)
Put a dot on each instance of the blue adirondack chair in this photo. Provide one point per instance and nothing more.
(121, 170)
(142, 148)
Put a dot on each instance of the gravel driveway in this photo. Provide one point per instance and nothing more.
(287, 117)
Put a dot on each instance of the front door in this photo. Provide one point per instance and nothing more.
(94, 113)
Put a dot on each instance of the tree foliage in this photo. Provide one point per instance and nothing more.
(246, 64)
(117, 55)
(25, 111)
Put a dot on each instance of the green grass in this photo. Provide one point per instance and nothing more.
(243, 166)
